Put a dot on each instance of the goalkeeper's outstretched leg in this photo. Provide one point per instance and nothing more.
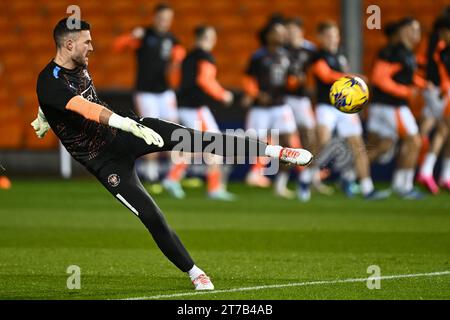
(179, 138)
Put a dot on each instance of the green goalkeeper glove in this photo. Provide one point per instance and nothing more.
(40, 124)
(137, 129)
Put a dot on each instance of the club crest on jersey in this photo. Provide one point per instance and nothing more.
(114, 180)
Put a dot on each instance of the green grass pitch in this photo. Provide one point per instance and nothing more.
(46, 226)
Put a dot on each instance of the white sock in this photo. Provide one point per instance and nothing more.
(367, 185)
(349, 175)
(316, 175)
(281, 181)
(151, 170)
(445, 172)
(273, 151)
(195, 272)
(399, 180)
(428, 165)
(306, 176)
(409, 177)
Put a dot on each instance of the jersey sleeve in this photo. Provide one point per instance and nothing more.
(53, 93)
(252, 69)
(207, 79)
(250, 79)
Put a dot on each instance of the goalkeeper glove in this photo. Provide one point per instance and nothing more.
(137, 129)
(40, 124)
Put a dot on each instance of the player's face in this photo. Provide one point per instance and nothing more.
(82, 48)
(329, 39)
(210, 38)
(163, 20)
(414, 32)
(277, 35)
(294, 33)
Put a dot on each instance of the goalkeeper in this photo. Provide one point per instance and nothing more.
(108, 143)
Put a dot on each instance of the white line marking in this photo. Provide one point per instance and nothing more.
(125, 202)
(295, 284)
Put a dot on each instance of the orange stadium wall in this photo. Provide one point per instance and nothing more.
(26, 43)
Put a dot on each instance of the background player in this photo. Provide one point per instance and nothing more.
(378, 148)
(395, 83)
(443, 63)
(433, 112)
(159, 56)
(301, 53)
(107, 144)
(265, 86)
(328, 66)
(198, 87)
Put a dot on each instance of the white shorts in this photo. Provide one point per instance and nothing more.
(435, 106)
(346, 124)
(157, 105)
(391, 122)
(303, 111)
(263, 119)
(198, 118)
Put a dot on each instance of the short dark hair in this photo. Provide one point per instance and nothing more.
(201, 29)
(390, 29)
(66, 26)
(442, 23)
(161, 7)
(406, 21)
(297, 21)
(325, 25)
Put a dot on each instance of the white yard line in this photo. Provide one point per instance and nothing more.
(286, 285)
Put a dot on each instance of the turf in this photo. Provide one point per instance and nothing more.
(46, 226)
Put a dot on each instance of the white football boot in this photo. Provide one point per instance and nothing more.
(202, 282)
(299, 157)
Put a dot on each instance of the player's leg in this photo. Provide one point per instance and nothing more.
(217, 188)
(180, 161)
(432, 118)
(379, 148)
(444, 179)
(306, 126)
(147, 106)
(305, 120)
(380, 139)
(258, 121)
(168, 106)
(438, 140)
(168, 110)
(283, 122)
(327, 121)
(244, 148)
(120, 179)
(385, 121)
(408, 132)
(350, 128)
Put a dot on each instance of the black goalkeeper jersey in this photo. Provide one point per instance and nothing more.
(84, 139)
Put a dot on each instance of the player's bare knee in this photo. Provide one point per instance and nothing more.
(415, 142)
(442, 130)
(385, 145)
